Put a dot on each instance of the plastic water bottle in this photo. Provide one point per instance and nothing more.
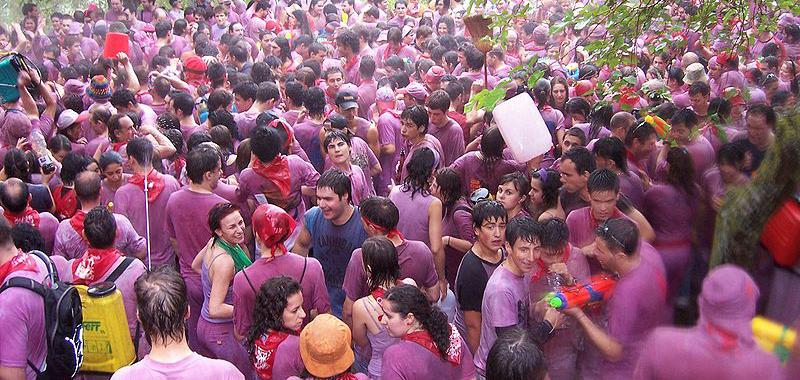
(554, 281)
(39, 147)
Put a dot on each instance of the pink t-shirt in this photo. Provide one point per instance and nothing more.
(407, 360)
(451, 136)
(251, 183)
(192, 367)
(69, 244)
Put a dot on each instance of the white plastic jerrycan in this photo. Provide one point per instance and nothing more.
(522, 127)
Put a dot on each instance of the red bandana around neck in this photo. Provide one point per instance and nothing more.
(29, 215)
(388, 52)
(543, 267)
(265, 350)
(596, 223)
(423, 338)
(117, 146)
(21, 261)
(93, 265)
(66, 201)
(77, 223)
(277, 172)
(155, 184)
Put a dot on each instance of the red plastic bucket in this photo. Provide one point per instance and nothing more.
(116, 43)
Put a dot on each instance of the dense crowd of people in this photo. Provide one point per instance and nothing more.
(306, 197)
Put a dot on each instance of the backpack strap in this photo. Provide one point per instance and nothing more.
(36, 287)
(120, 269)
(244, 272)
(302, 275)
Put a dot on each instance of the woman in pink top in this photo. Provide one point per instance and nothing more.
(457, 232)
(273, 341)
(543, 197)
(512, 193)
(670, 207)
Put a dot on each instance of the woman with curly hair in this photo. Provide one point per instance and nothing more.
(420, 211)
(431, 348)
(543, 198)
(273, 340)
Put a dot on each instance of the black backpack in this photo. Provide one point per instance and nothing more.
(63, 323)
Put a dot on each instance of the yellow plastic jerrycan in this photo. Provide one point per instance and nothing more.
(107, 344)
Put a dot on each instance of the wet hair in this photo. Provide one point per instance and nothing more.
(380, 259)
(599, 118)
(515, 356)
(100, 227)
(380, 211)
(201, 161)
(334, 135)
(551, 185)
(219, 99)
(58, 143)
(408, 299)
(554, 233)
(108, 158)
(582, 158)
(87, 185)
(764, 110)
(183, 102)
(418, 171)
(577, 132)
(366, 67)
(349, 39)
(520, 181)
(620, 234)
(217, 213)
(687, 117)
(523, 228)
(730, 154)
(418, 115)
(140, 149)
(612, 148)
(675, 73)
(488, 210)
(314, 101)
(265, 143)
(449, 182)
(337, 181)
(27, 238)
(641, 131)
(439, 100)
(268, 91)
(701, 88)
(603, 180)
(295, 92)
(577, 105)
(16, 165)
(270, 303)
(162, 304)
(681, 170)
(123, 98)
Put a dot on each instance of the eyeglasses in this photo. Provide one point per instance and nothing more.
(605, 232)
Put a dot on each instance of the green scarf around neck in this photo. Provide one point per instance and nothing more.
(240, 259)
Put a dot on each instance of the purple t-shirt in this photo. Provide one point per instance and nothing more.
(315, 294)
(129, 201)
(451, 136)
(192, 367)
(93, 144)
(429, 142)
(679, 353)
(388, 134)
(407, 360)
(366, 96)
(288, 361)
(307, 134)
(472, 168)
(71, 245)
(22, 323)
(636, 307)
(416, 262)
(631, 185)
(413, 222)
(251, 183)
(246, 121)
(505, 303)
(187, 216)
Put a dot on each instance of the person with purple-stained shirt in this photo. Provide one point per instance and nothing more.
(671, 207)
(361, 153)
(408, 315)
(414, 130)
(348, 46)
(445, 129)
(380, 217)
(22, 318)
(267, 97)
(681, 126)
(394, 46)
(512, 193)
(634, 309)
(113, 177)
(458, 236)
(162, 308)
(338, 146)
(184, 209)
(721, 345)
(506, 300)
(609, 153)
(367, 90)
(391, 141)
(271, 228)
(283, 180)
(15, 199)
(560, 264)
(642, 150)
(308, 126)
(130, 200)
(101, 259)
(70, 241)
(484, 168)
(576, 166)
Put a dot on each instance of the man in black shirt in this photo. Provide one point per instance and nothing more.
(760, 136)
(489, 222)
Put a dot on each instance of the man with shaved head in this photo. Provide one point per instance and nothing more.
(69, 239)
(16, 201)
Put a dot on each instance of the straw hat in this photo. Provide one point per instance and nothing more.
(325, 346)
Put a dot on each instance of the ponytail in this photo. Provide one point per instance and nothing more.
(409, 299)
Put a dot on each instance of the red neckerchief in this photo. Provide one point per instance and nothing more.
(29, 215)
(347, 376)
(21, 261)
(392, 111)
(378, 294)
(155, 183)
(351, 62)
(727, 340)
(276, 172)
(632, 159)
(77, 223)
(178, 165)
(423, 338)
(117, 146)
(596, 223)
(93, 264)
(389, 234)
(264, 353)
(388, 52)
(543, 267)
(66, 201)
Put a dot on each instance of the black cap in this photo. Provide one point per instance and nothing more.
(337, 121)
(346, 100)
